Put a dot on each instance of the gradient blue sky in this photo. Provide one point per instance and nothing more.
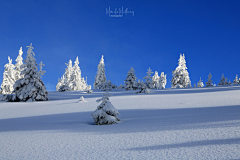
(208, 32)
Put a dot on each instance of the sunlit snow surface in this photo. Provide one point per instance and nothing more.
(196, 123)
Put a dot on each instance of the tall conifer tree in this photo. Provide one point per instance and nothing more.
(8, 78)
(181, 77)
(100, 78)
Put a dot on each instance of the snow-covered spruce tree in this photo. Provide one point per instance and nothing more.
(64, 88)
(148, 78)
(85, 84)
(143, 87)
(8, 78)
(209, 82)
(107, 86)
(30, 87)
(236, 80)
(100, 78)
(60, 82)
(200, 83)
(19, 65)
(223, 81)
(72, 79)
(181, 77)
(105, 112)
(68, 74)
(130, 82)
(155, 80)
(162, 80)
(64, 83)
(77, 82)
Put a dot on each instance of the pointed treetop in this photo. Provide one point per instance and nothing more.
(155, 76)
(76, 61)
(10, 60)
(149, 71)
(132, 69)
(20, 51)
(182, 61)
(69, 63)
(19, 57)
(236, 77)
(30, 48)
(102, 60)
(180, 58)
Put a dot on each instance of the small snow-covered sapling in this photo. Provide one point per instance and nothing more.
(81, 99)
(105, 112)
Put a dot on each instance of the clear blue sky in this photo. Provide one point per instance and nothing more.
(208, 32)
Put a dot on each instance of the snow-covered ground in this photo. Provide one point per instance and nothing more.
(195, 123)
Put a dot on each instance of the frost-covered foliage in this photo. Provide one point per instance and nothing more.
(68, 71)
(105, 112)
(223, 81)
(130, 82)
(30, 87)
(181, 77)
(107, 86)
(148, 78)
(159, 82)
(77, 82)
(19, 66)
(72, 78)
(236, 80)
(155, 80)
(209, 82)
(8, 78)
(200, 83)
(100, 78)
(41, 72)
(89, 87)
(162, 80)
(143, 88)
(60, 82)
(64, 88)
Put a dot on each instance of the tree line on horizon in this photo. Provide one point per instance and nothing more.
(22, 81)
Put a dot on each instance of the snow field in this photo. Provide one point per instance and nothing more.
(195, 123)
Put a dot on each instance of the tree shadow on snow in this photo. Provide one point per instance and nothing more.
(137, 120)
(190, 144)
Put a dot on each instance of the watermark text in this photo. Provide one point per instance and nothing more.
(118, 12)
